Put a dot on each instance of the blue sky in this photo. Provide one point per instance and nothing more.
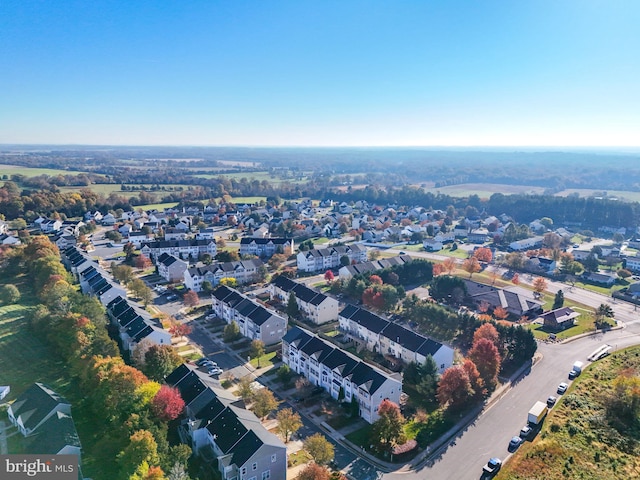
(320, 73)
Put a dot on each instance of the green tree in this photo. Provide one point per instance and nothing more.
(141, 290)
(122, 273)
(591, 263)
(558, 301)
(289, 422)
(142, 447)
(245, 389)
(231, 332)
(320, 449)
(256, 350)
(160, 361)
(344, 260)
(9, 294)
(284, 374)
(603, 312)
(292, 306)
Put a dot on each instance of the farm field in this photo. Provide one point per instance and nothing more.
(485, 190)
(585, 192)
(587, 434)
(107, 189)
(251, 176)
(34, 172)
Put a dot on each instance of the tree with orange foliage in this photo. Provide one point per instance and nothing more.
(539, 285)
(375, 280)
(438, 269)
(488, 331)
(449, 265)
(483, 254)
(474, 378)
(500, 313)
(515, 279)
(471, 265)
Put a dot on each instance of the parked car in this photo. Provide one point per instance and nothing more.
(491, 468)
(562, 388)
(201, 361)
(172, 297)
(514, 443)
(215, 371)
(525, 432)
(551, 401)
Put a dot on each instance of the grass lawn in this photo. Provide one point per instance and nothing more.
(299, 458)
(362, 437)
(598, 289)
(578, 439)
(265, 361)
(26, 359)
(457, 253)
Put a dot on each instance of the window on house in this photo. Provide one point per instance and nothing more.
(254, 466)
(266, 475)
(273, 458)
(244, 470)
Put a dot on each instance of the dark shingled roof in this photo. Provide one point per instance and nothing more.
(227, 430)
(57, 432)
(179, 373)
(35, 403)
(402, 336)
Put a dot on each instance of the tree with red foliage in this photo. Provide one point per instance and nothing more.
(487, 358)
(375, 280)
(329, 276)
(167, 404)
(180, 329)
(313, 471)
(454, 388)
(372, 297)
(483, 254)
(190, 299)
(142, 262)
(515, 279)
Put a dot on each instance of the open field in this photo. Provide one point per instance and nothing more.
(485, 190)
(586, 192)
(107, 189)
(157, 206)
(34, 172)
(252, 176)
(578, 439)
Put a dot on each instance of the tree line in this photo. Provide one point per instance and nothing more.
(130, 411)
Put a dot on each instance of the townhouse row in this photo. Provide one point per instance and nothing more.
(255, 321)
(315, 306)
(322, 259)
(376, 334)
(222, 432)
(341, 374)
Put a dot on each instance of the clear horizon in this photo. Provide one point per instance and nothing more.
(284, 74)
